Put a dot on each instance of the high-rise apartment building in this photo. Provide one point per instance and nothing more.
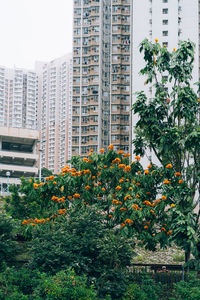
(101, 75)
(18, 98)
(170, 21)
(54, 110)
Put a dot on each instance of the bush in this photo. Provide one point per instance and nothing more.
(7, 245)
(142, 286)
(187, 290)
(65, 285)
(83, 242)
(25, 284)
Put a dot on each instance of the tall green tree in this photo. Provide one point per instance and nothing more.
(168, 125)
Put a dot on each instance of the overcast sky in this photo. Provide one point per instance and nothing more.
(33, 30)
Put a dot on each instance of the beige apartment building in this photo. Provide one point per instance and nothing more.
(54, 111)
(101, 75)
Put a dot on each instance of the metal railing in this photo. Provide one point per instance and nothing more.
(168, 274)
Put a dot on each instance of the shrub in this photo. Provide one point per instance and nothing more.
(83, 242)
(187, 290)
(7, 245)
(25, 284)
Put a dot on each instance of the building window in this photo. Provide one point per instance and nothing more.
(165, 33)
(165, 11)
(165, 1)
(165, 22)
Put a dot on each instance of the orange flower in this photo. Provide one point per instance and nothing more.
(174, 49)
(139, 172)
(120, 152)
(180, 181)
(177, 174)
(130, 188)
(91, 150)
(93, 177)
(166, 181)
(169, 232)
(172, 205)
(35, 185)
(138, 184)
(102, 150)
(69, 197)
(146, 172)
(99, 183)
(110, 216)
(121, 166)
(122, 224)
(128, 221)
(137, 157)
(116, 160)
(135, 206)
(164, 197)
(33, 224)
(76, 195)
(31, 180)
(149, 166)
(169, 166)
(85, 159)
(118, 188)
(110, 147)
(87, 187)
(137, 196)
(152, 211)
(146, 227)
(126, 197)
(103, 189)
(148, 193)
(128, 168)
(114, 201)
(123, 208)
(105, 166)
(156, 40)
(54, 182)
(163, 229)
(127, 155)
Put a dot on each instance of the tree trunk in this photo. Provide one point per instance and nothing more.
(187, 255)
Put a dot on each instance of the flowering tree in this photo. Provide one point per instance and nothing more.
(168, 124)
(135, 201)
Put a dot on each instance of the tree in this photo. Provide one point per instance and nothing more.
(46, 172)
(168, 124)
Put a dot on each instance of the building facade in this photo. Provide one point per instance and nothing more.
(170, 21)
(18, 98)
(101, 75)
(54, 111)
(18, 156)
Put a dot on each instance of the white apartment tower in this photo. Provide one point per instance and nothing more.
(18, 98)
(54, 109)
(101, 75)
(170, 21)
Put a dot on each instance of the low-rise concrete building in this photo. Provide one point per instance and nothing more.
(18, 155)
